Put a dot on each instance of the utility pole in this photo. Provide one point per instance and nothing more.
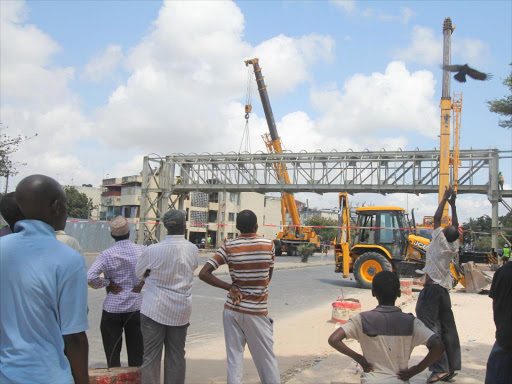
(446, 106)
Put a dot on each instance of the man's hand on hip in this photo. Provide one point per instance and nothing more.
(138, 287)
(235, 294)
(114, 288)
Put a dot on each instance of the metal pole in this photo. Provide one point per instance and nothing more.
(446, 104)
(494, 197)
(143, 201)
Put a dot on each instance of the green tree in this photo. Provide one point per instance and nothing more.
(327, 234)
(79, 205)
(8, 146)
(504, 106)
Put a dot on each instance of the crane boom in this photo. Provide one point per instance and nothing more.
(275, 142)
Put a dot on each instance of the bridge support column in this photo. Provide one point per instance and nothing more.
(494, 197)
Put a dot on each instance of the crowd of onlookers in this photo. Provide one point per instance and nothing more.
(43, 303)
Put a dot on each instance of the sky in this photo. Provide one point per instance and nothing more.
(104, 83)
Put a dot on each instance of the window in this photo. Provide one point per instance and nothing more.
(388, 221)
(230, 235)
(222, 236)
(212, 216)
(214, 197)
(223, 220)
(231, 217)
(232, 196)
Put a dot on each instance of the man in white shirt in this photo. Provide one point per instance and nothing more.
(434, 307)
(387, 337)
(70, 241)
(168, 269)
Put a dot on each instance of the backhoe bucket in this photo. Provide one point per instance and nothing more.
(476, 281)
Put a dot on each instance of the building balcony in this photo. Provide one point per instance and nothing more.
(111, 193)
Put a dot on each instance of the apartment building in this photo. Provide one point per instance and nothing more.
(215, 214)
(212, 214)
(95, 195)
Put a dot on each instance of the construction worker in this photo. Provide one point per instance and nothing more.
(506, 253)
(501, 181)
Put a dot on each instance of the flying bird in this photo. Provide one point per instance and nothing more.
(463, 70)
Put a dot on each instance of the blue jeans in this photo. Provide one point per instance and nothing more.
(499, 366)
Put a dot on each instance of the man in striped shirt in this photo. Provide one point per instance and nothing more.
(251, 262)
(168, 269)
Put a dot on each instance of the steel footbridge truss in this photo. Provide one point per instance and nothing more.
(166, 181)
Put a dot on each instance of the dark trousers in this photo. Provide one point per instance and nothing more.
(434, 309)
(156, 336)
(499, 366)
(112, 325)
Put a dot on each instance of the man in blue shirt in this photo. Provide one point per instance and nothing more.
(43, 307)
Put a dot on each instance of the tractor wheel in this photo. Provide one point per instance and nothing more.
(278, 247)
(368, 265)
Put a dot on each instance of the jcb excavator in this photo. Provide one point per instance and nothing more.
(291, 236)
(382, 241)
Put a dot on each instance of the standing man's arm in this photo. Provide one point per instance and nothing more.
(435, 350)
(72, 307)
(94, 279)
(76, 349)
(142, 269)
(336, 341)
(206, 275)
(455, 220)
(439, 213)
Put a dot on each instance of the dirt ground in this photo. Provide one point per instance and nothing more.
(305, 357)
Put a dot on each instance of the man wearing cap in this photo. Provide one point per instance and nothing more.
(168, 269)
(121, 308)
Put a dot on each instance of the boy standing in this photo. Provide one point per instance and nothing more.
(387, 337)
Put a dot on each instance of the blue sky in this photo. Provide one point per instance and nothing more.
(98, 80)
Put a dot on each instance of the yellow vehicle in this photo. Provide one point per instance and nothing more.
(381, 241)
(291, 237)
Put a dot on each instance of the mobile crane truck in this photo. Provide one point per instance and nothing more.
(291, 237)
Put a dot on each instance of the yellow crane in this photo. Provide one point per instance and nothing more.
(291, 236)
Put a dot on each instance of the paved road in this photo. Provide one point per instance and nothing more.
(203, 256)
(291, 291)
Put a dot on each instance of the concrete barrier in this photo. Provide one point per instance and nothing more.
(118, 375)
(343, 310)
(406, 289)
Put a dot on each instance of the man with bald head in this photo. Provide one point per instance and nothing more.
(168, 269)
(43, 309)
(434, 307)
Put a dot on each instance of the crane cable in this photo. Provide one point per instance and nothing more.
(246, 139)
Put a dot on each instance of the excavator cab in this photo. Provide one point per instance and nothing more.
(383, 227)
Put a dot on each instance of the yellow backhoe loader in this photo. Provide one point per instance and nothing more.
(381, 240)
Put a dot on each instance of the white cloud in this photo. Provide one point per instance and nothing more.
(350, 7)
(36, 97)
(188, 74)
(367, 105)
(345, 5)
(426, 47)
(104, 64)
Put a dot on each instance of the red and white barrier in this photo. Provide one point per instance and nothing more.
(406, 287)
(343, 310)
(119, 375)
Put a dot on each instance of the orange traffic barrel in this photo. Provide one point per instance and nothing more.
(343, 310)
